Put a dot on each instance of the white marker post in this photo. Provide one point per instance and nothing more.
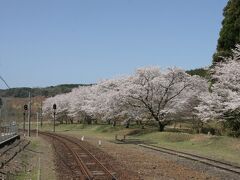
(39, 168)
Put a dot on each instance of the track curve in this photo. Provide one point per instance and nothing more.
(82, 164)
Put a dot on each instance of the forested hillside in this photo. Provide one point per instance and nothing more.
(203, 72)
(46, 92)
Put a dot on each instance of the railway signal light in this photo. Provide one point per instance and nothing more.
(54, 116)
(54, 106)
(25, 107)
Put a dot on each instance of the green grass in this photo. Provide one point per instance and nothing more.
(28, 175)
(101, 131)
(25, 158)
(217, 147)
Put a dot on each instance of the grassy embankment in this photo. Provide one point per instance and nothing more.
(217, 147)
(29, 171)
(32, 167)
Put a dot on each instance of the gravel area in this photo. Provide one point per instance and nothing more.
(150, 164)
(111, 163)
(25, 164)
(9, 157)
(67, 168)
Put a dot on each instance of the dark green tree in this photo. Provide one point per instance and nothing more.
(230, 32)
(232, 122)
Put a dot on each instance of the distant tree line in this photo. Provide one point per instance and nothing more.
(46, 92)
(202, 72)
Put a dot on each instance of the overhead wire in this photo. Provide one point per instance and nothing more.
(5, 82)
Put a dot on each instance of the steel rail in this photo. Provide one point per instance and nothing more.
(62, 159)
(211, 162)
(84, 168)
(87, 151)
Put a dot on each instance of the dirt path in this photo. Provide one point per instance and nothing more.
(47, 160)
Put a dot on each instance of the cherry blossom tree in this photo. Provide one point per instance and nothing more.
(224, 98)
(79, 100)
(62, 102)
(160, 92)
(150, 93)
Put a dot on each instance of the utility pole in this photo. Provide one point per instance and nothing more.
(29, 114)
(41, 115)
(24, 120)
(1, 103)
(54, 116)
(37, 125)
(25, 107)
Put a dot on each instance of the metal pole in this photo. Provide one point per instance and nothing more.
(24, 120)
(41, 116)
(54, 118)
(29, 114)
(37, 125)
(6, 113)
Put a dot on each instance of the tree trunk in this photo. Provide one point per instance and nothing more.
(199, 130)
(127, 124)
(200, 127)
(114, 123)
(175, 124)
(161, 126)
(141, 124)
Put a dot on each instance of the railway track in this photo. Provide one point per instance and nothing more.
(211, 162)
(81, 163)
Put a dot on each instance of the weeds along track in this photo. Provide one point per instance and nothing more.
(9, 152)
(76, 161)
(211, 162)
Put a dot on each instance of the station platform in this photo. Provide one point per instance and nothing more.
(8, 140)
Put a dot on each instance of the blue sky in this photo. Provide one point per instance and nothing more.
(49, 42)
